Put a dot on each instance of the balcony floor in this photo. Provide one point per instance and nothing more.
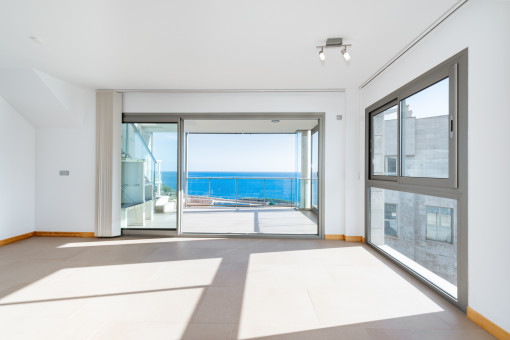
(263, 220)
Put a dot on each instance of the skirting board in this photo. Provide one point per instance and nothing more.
(46, 234)
(488, 325)
(343, 237)
(16, 238)
(63, 234)
(334, 237)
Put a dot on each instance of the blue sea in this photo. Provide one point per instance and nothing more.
(250, 185)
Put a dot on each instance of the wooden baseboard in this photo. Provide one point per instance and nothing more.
(334, 237)
(16, 238)
(63, 234)
(487, 324)
(47, 234)
(343, 237)
(354, 238)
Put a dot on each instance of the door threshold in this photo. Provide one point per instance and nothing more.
(149, 232)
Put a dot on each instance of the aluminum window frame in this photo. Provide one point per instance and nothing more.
(384, 107)
(429, 79)
(454, 188)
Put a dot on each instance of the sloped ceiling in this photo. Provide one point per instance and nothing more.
(43, 100)
(204, 44)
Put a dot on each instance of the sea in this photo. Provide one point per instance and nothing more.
(279, 186)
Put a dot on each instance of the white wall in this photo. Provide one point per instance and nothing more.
(332, 103)
(17, 173)
(482, 26)
(67, 203)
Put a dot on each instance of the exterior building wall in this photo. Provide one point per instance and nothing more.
(411, 241)
(427, 154)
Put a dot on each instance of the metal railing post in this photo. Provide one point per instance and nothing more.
(210, 203)
(291, 202)
(264, 194)
(236, 192)
(186, 203)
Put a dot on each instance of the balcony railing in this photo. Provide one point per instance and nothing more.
(246, 191)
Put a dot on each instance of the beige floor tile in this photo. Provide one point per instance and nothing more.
(123, 330)
(177, 306)
(42, 328)
(407, 334)
(187, 273)
(269, 311)
(204, 331)
(215, 288)
(220, 305)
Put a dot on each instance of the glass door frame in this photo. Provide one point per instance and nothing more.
(316, 129)
(162, 119)
(180, 118)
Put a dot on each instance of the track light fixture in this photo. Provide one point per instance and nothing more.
(335, 42)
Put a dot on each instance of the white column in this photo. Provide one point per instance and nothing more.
(306, 169)
(108, 169)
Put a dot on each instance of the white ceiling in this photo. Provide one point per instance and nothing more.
(249, 126)
(204, 44)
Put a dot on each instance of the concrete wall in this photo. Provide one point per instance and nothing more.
(426, 155)
(489, 121)
(17, 173)
(332, 103)
(411, 240)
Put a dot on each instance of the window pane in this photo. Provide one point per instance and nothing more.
(149, 176)
(440, 229)
(431, 218)
(419, 220)
(384, 142)
(390, 219)
(425, 132)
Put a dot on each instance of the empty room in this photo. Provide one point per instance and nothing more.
(331, 169)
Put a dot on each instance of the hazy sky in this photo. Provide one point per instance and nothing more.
(242, 152)
(431, 102)
(165, 149)
(229, 152)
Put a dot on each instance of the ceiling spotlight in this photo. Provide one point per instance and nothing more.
(334, 42)
(346, 54)
(275, 121)
(322, 56)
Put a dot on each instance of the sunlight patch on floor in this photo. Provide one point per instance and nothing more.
(134, 241)
(304, 290)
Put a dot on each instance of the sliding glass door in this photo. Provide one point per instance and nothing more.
(149, 187)
(251, 176)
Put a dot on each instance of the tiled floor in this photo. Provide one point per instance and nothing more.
(191, 288)
(253, 220)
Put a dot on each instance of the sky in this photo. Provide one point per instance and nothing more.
(229, 152)
(242, 152)
(165, 149)
(430, 102)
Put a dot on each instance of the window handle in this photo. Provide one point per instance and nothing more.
(451, 126)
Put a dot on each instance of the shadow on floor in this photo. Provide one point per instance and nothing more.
(30, 261)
